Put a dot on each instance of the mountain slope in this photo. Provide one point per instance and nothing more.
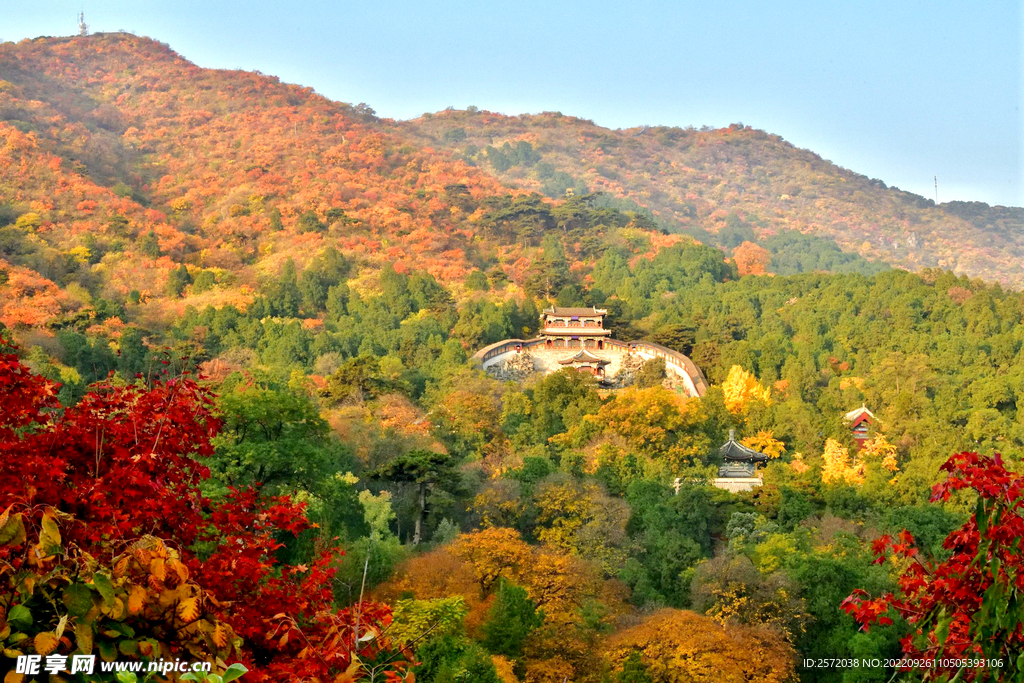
(121, 157)
(734, 183)
(127, 171)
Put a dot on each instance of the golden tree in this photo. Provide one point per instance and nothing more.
(879, 449)
(499, 503)
(740, 388)
(731, 589)
(751, 259)
(581, 519)
(492, 553)
(837, 466)
(766, 443)
(563, 586)
(433, 575)
(503, 667)
(678, 646)
(657, 423)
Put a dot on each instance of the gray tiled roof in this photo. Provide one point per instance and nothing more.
(735, 451)
(586, 310)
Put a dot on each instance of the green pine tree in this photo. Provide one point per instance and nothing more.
(633, 670)
(177, 280)
(513, 617)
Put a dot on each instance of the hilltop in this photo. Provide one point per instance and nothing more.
(728, 185)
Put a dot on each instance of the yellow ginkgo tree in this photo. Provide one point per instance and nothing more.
(764, 442)
(839, 467)
(741, 388)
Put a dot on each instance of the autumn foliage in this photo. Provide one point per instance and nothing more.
(751, 259)
(713, 178)
(679, 646)
(558, 583)
(741, 389)
(839, 467)
(100, 510)
(966, 606)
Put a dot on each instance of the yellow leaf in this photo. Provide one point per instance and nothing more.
(12, 677)
(45, 643)
(220, 636)
(142, 555)
(121, 566)
(117, 610)
(350, 674)
(83, 638)
(38, 554)
(179, 568)
(12, 529)
(157, 568)
(167, 597)
(50, 534)
(740, 388)
(188, 609)
(136, 599)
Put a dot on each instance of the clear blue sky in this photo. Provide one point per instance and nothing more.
(893, 89)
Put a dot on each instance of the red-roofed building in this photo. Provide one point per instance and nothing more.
(860, 421)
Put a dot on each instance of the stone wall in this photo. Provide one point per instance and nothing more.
(624, 359)
(515, 367)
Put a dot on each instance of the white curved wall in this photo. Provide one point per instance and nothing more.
(546, 359)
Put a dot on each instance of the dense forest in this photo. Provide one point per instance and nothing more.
(240, 420)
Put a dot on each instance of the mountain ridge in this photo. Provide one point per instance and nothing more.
(123, 162)
(702, 180)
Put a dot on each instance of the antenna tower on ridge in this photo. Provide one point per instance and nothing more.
(936, 190)
(83, 28)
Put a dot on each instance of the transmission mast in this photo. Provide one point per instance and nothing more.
(936, 190)
(83, 28)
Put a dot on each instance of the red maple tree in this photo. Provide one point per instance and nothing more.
(966, 611)
(100, 503)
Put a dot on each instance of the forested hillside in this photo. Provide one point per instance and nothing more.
(239, 420)
(728, 185)
(121, 155)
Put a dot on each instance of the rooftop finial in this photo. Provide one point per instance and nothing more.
(83, 28)
(732, 435)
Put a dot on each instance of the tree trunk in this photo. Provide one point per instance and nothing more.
(417, 534)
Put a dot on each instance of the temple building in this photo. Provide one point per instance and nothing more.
(577, 328)
(860, 421)
(585, 361)
(576, 337)
(738, 471)
(560, 327)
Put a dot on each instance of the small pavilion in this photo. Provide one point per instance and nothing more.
(585, 361)
(738, 471)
